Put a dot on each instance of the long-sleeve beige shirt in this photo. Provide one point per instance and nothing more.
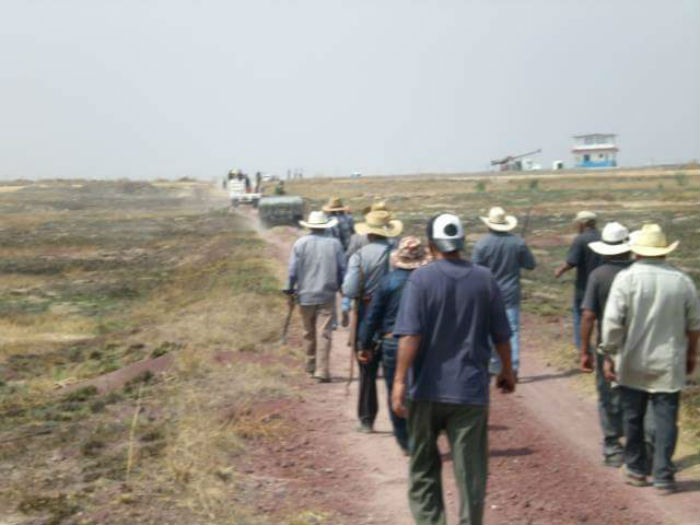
(650, 309)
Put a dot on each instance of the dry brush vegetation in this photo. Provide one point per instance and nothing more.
(99, 277)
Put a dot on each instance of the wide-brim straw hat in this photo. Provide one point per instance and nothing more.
(410, 254)
(499, 221)
(614, 240)
(318, 220)
(651, 241)
(585, 216)
(334, 204)
(380, 223)
(375, 206)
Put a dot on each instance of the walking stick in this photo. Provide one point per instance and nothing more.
(291, 301)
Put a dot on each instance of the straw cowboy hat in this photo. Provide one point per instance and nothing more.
(334, 204)
(614, 240)
(410, 254)
(651, 241)
(380, 223)
(318, 220)
(585, 216)
(499, 221)
(376, 206)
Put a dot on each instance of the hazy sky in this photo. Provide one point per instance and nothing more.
(152, 88)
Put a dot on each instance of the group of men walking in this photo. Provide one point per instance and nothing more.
(441, 326)
(648, 323)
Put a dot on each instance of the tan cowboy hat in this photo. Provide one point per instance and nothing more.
(334, 204)
(375, 206)
(410, 254)
(318, 220)
(499, 221)
(379, 223)
(614, 240)
(585, 216)
(651, 241)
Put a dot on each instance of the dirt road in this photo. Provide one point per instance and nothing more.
(544, 440)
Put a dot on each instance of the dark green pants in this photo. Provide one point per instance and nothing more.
(466, 431)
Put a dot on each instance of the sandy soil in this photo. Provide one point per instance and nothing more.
(545, 462)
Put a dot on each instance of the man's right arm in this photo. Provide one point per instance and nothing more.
(588, 319)
(293, 268)
(572, 258)
(614, 327)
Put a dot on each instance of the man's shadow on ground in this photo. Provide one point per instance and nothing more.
(546, 377)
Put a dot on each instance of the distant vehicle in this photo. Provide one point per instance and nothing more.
(281, 210)
(355, 175)
(270, 177)
(239, 192)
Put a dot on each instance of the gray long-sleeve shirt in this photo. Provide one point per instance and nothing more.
(504, 254)
(374, 258)
(316, 266)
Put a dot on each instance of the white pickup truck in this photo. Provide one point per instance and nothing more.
(240, 195)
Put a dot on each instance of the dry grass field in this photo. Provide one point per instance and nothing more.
(545, 203)
(140, 370)
(97, 278)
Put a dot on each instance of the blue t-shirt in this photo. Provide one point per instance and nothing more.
(457, 309)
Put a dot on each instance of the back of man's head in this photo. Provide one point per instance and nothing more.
(445, 234)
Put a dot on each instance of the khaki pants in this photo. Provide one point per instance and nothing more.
(312, 316)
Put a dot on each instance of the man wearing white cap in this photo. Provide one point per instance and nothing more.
(451, 312)
(585, 260)
(615, 250)
(505, 254)
(316, 268)
(651, 327)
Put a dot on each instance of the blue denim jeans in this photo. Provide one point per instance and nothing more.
(664, 408)
(513, 314)
(609, 412)
(345, 304)
(389, 351)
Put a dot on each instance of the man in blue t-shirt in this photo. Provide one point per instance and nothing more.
(451, 312)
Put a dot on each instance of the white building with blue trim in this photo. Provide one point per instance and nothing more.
(596, 150)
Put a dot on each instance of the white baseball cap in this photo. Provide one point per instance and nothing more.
(446, 233)
(614, 240)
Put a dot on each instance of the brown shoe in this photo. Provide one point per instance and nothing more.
(636, 480)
